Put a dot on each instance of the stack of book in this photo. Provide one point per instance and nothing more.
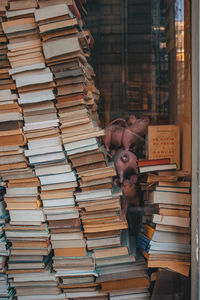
(165, 240)
(121, 268)
(101, 217)
(6, 292)
(30, 251)
(30, 263)
(63, 43)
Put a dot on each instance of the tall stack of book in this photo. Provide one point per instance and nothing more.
(165, 240)
(30, 252)
(6, 292)
(9, 110)
(63, 43)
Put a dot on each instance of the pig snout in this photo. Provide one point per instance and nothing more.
(126, 164)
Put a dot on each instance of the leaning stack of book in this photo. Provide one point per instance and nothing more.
(165, 240)
(6, 292)
(66, 234)
(30, 251)
(121, 268)
(63, 42)
(101, 217)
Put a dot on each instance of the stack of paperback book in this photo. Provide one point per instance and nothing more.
(6, 292)
(58, 31)
(165, 240)
(30, 253)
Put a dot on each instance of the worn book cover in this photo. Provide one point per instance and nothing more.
(164, 141)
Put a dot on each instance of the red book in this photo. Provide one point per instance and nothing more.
(153, 162)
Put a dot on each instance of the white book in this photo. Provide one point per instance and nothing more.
(93, 194)
(53, 169)
(171, 237)
(12, 159)
(103, 242)
(7, 102)
(26, 234)
(82, 149)
(27, 68)
(11, 116)
(57, 178)
(27, 216)
(52, 11)
(63, 216)
(22, 45)
(46, 142)
(80, 143)
(80, 294)
(171, 220)
(66, 236)
(18, 28)
(15, 13)
(39, 125)
(169, 247)
(140, 296)
(43, 297)
(6, 95)
(9, 148)
(33, 77)
(45, 117)
(67, 244)
(44, 150)
(169, 197)
(49, 157)
(45, 276)
(35, 97)
(64, 45)
(68, 210)
(57, 186)
(22, 191)
(128, 291)
(58, 202)
(146, 169)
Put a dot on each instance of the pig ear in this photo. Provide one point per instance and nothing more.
(134, 178)
(132, 119)
(121, 122)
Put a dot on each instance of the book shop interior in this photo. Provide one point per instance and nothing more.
(95, 150)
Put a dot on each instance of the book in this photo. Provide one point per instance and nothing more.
(156, 168)
(169, 197)
(61, 46)
(57, 178)
(28, 216)
(171, 220)
(175, 189)
(164, 141)
(153, 162)
(53, 11)
(181, 184)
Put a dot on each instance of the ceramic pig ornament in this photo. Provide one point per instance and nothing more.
(130, 195)
(113, 134)
(134, 133)
(126, 165)
(122, 134)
